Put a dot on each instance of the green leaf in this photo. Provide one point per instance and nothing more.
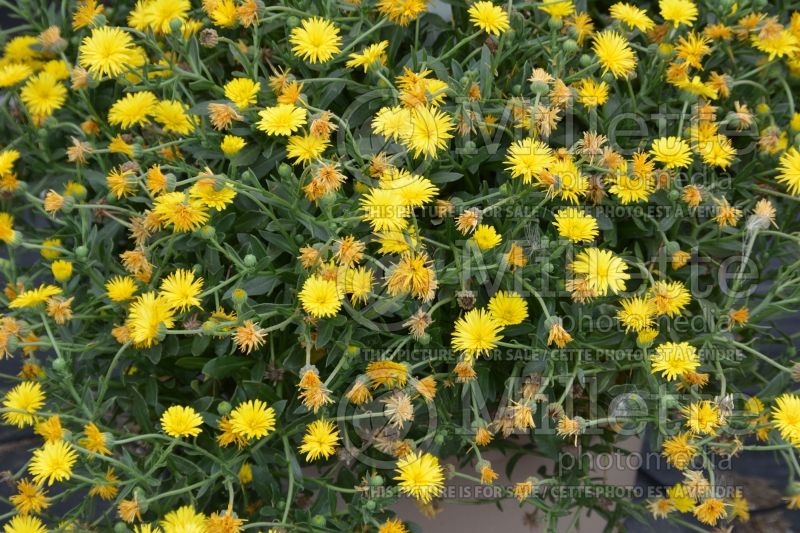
(223, 367)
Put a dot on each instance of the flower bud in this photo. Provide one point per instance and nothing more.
(555, 23)
(81, 252)
(239, 296)
(224, 408)
(208, 232)
(209, 38)
(570, 46)
(285, 171)
(250, 261)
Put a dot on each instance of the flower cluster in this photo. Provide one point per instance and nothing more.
(274, 266)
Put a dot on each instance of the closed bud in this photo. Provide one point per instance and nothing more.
(672, 247)
(224, 408)
(539, 87)
(81, 252)
(208, 232)
(570, 46)
(250, 261)
(285, 170)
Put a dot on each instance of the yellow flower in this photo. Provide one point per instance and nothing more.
(179, 421)
(777, 44)
(428, 132)
(669, 298)
(420, 475)
(673, 152)
(50, 429)
(252, 419)
(179, 211)
(489, 17)
(30, 498)
(557, 9)
(508, 308)
(282, 119)
(52, 462)
(634, 17)
(710, 511)
(637, 313)
(107, 488)
(51, 248)
(133, 109)
(320, 297)
(25, 524)
(678, 11)
(575, 225)
(305, 148)
(120, 288)
(528, 158)
(95, 440)
(242, 92)
(680, 499)
(320, 440)
(14, 73)
(107, 51)
(25, 400)
(392, 122)
(387, 373)
(564, 179)
(120, 182)
(184, 520)
(180, 290)
(786, 417)
(7, 160)
(317, 41)
(476, 333)
(212, 193)
(674, 360)
(393, 525)
(602, 270)
(486, 237)
(413, 190)
(369, 56)
(679, 450)
(414, 273)
(173, 117)
(43, 94)
(614, 53)
(246, 474)
(34, 297)
(224, 13)
(231, 145)
(7, 233)
(358, 282)
(702, 417)
(790, 170)
(385, 210)
(402, 12)
(159, 14)
(146, 316)
(592, 93)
